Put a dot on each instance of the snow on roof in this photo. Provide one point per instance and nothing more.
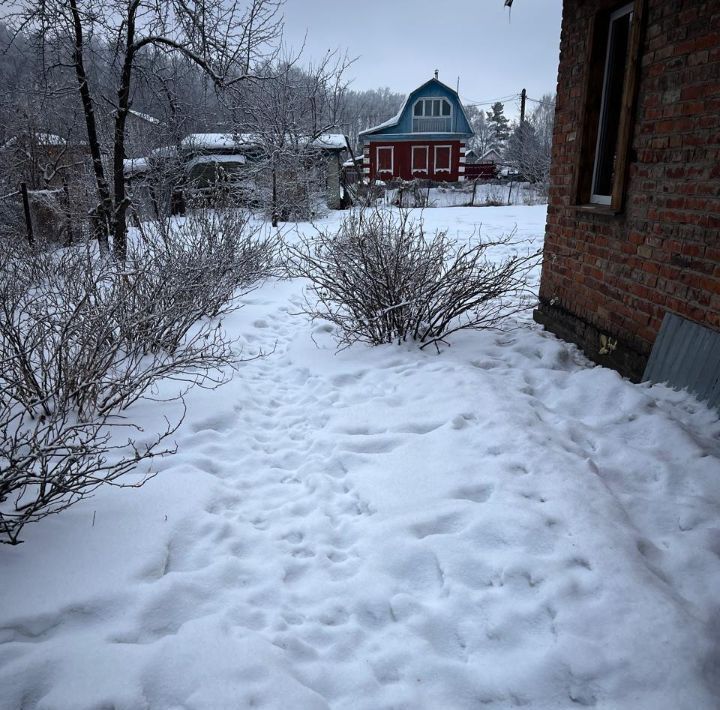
(49, 139)
(391, 121)
(353, 161)
(214, 160)
(331, 141)
(230, 141)
(144, 116)
(208, 141)
(134, 166)
(489, 153)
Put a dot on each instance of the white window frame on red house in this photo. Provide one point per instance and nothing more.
(426, 169)
(391, 148)
(435, 161)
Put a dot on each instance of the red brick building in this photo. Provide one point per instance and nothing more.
(633, 227)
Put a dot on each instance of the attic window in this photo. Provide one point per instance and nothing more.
(432, 115)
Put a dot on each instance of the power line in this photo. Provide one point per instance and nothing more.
(490, 102)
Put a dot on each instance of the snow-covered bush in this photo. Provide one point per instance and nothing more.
(209, 255)
(380, 279)
(83, 337)
(48, 461)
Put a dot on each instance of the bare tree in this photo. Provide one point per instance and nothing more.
(483, 135)
(223, 40)
(285, 118)
(529, 149)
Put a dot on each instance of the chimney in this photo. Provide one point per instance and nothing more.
(436, 73)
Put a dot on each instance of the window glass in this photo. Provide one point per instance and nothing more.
(445, 108)
(442, 158)
(436, 107)
(384, 158)
(418, 110)
(611, 105)
(419, 158)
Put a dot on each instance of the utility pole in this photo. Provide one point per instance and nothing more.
(523, 97)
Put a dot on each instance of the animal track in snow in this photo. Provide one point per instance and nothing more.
(442, 525)
(477, 494)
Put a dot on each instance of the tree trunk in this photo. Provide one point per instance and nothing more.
(104, 210)
(122, 202)
(28, 217)
(274, 195)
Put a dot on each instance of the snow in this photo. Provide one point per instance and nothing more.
(210, 141)
(498, 525)
(144, 116)
(134, 166)
(393, 121)
(229, 141)
(331, 141)
(47, 139)
(214, 159)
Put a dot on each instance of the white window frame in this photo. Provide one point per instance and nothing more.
(449, 119)
(426, 169)
(449, 167)
(391, 148)
(595, 198)
(432, 98)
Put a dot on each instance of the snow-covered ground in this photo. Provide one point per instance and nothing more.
(499, 525)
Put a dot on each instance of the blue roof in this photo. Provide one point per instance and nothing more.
(400, 125)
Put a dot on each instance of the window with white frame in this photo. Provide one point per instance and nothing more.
(385, 157)
(420, 159)
(617, 56)
(443, 155)
(432, 115)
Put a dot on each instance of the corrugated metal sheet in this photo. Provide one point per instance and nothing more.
(687, 355)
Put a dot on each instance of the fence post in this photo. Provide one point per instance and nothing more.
(68, 216)
(28, 218)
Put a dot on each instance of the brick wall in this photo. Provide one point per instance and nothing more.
(617, 274)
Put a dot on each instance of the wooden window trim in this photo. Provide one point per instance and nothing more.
(597, 46)
(435, 153)
(426, 169)
(391, 148)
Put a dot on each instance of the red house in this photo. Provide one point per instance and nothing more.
(425, 140)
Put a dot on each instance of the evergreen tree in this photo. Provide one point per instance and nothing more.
(499, 125)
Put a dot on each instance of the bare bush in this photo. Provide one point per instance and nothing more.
(89, 336)
(209, 256)
(82, 338)
(381, 280)
(49, 462)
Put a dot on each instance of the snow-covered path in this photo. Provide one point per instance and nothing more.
(499, 525)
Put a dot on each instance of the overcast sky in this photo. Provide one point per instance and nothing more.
(399, 43)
